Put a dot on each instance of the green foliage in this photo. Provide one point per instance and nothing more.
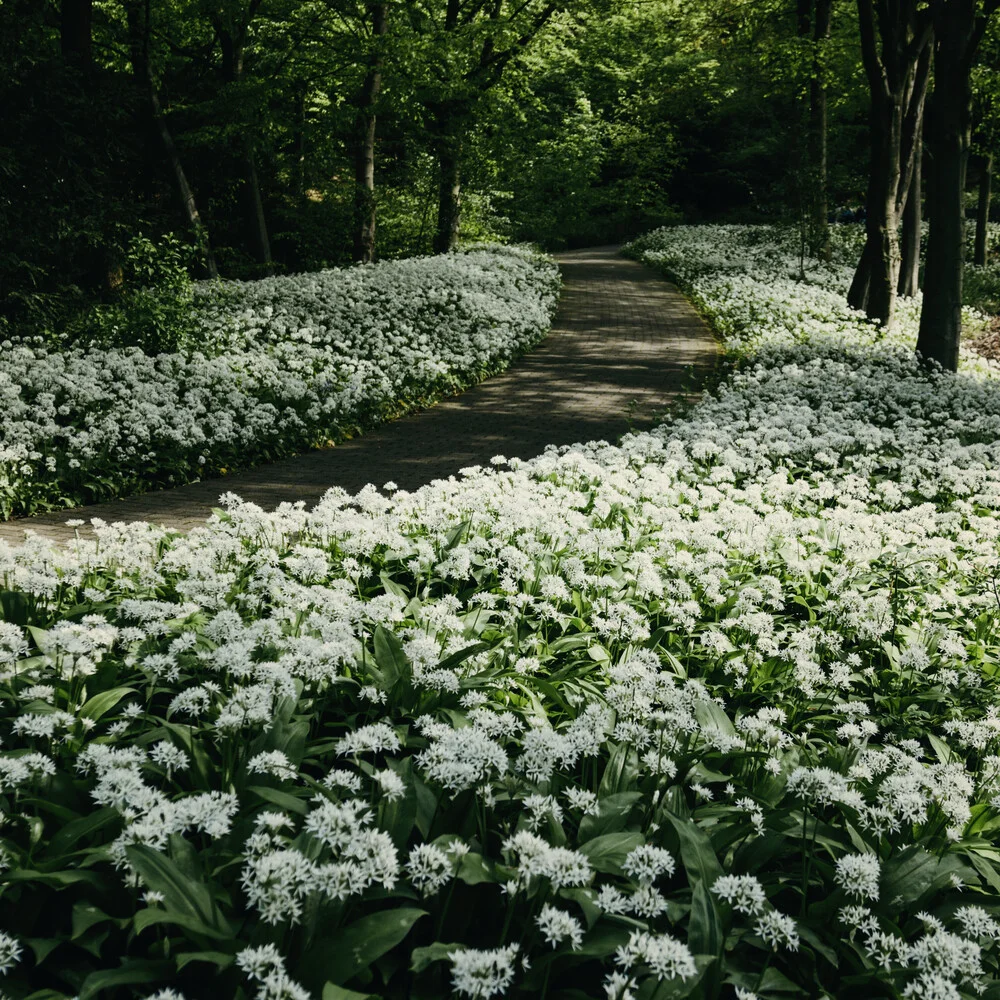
(154, 300)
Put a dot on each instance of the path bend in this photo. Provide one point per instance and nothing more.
(624, 345)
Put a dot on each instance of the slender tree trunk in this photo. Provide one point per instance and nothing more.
(137, 18)
(364, 154)
(231, 42)
(909, 269)
(983, 214)
(818, 130)
(449, 194)
(947, 134)
(75, 31)
(299, 144)
(259, 241)
(877, 276)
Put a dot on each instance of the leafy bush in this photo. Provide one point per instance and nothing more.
(153, 312)
(710, 713)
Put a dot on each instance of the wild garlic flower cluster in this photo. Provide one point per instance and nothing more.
(715, 704)
(282, 364)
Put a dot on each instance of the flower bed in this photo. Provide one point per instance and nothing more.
(283, 365)
(711, 713)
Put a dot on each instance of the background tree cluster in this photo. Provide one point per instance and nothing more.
(143, 139)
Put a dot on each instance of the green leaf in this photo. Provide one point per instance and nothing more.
(133, 972)
(153, 916)
(351, 949)
(421, 958)
(85, 916)
(220, 959)
(73, 832)
(183, 897)
(474, 869)
(389, 655)
(909, 876)
(621, 771)
(612, 816)
(283, 800)
(705, 934)
(713, 716)
(607, 852)
(102, 703)
(697, 855)
(14, 607)
(333, 992)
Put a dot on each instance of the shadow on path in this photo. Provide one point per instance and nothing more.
(624, 345)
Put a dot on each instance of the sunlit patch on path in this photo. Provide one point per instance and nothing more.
(625, 345)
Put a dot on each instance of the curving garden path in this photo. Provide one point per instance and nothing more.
(625, 344)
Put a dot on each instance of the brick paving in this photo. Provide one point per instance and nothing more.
(624, 346)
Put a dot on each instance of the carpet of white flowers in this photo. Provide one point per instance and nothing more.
(712, 713)
(282, 365)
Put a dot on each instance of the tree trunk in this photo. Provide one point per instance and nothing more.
(857, 296)
(231, 43)
(76, 30)
(983, 214)
(299, 144)
(877, 276)
(909, 269)
(818, 130)
(364, 154)
(897, 61)
(256, 220)
(947, 134)
(449, 196)
(138, 29)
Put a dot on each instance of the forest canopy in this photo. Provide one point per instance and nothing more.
(147, 141)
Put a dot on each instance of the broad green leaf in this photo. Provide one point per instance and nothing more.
(153, 916)
(333, 992)
(102, 703)
(475, 869)
(913, 873)
(85, 916)
(73, 832)
(283, 800)
(705, 934)
(713, 716)
(620, 772)
(220, 959)
(389, 656)
(697, 855)
(14, 607)
(183, 896)
(347, 951)
(421, 958)
(612, 816)
(133, 972)
(607, 852)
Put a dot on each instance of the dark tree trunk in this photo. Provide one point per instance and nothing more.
(137, 17)
(875, 281)
(909, 268)
(948, 135)
(231, 43)
(818, 130)
(75, 30)
(449, 157)
(857, 296)
(299, 144)
(983, 213)
(260, 244)
(364, 154)
(897, 62)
